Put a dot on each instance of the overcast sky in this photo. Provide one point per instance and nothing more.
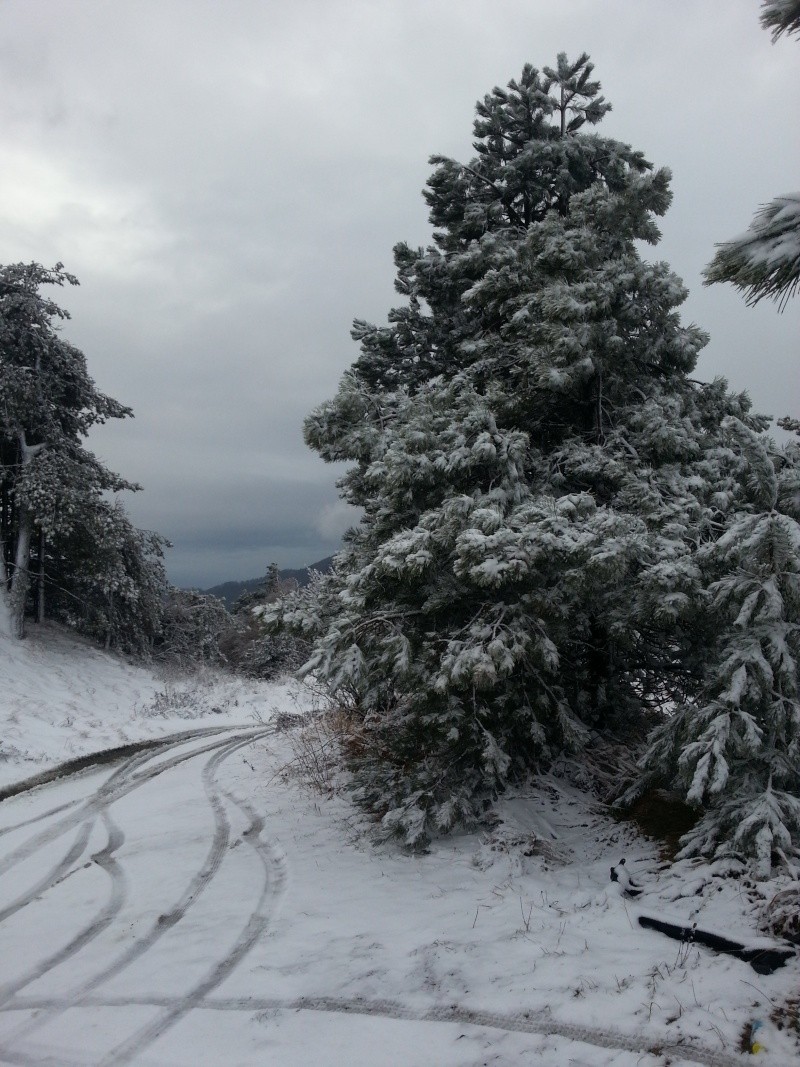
(227, 179)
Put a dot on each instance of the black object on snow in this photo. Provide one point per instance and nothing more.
(620, 874)
(762, 960)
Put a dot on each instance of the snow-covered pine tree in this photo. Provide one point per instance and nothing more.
(736, 748)
(52, 505)
(106, 578)
(534, 464)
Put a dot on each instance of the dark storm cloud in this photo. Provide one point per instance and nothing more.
(227, 180)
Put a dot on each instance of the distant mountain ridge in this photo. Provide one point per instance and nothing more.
(229, 592)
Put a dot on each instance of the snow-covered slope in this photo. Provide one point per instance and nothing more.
(62, 697)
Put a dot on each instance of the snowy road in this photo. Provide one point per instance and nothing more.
(92, 890)
(145, 918)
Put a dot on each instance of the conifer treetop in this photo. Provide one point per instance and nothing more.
(531, 158)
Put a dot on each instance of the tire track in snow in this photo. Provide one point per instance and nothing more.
(134, 755)
(60, 871)
(194, 889)
(92, 805)
(105, 860)
(55, 875)
(107, 755)
(118, 785)
(274, 864)
(540, 1023)
(38, 818)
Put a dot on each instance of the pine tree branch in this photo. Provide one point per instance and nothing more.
(488, 181)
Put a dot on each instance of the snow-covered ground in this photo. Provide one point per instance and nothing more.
(195, 903)
(62, 697)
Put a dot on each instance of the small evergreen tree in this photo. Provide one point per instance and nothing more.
(736, 748)
(249, 646)
(535, 467)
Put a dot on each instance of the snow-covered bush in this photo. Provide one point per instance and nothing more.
(194, 627)
(249, 647)
(106, 579)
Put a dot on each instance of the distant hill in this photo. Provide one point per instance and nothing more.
(229, 592)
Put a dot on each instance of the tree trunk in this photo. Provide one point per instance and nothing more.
(19, 579)
(5, 610)
(40, 581)
(110, 623)
(18, 594)
(563, 110)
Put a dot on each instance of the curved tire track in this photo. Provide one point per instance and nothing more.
(540, 1023)
(119, 784)
(274, 864)
(38, 818)
(104, 859)
(97, 759)
(55, 875)
(166, 921)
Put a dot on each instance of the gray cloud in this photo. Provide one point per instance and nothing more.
(227, 180)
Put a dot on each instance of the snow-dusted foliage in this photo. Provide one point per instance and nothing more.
(765, 260)
(535, 467)
(106, 578)
(197, 628)
(736, 749)
(781, 16)
(98, 571)
(193, 626)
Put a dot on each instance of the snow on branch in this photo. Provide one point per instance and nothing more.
(764, 261)
(781, 16)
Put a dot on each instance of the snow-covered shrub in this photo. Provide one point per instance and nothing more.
(194, 627)
(106, 579)
(249, 647)
(318, 744)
